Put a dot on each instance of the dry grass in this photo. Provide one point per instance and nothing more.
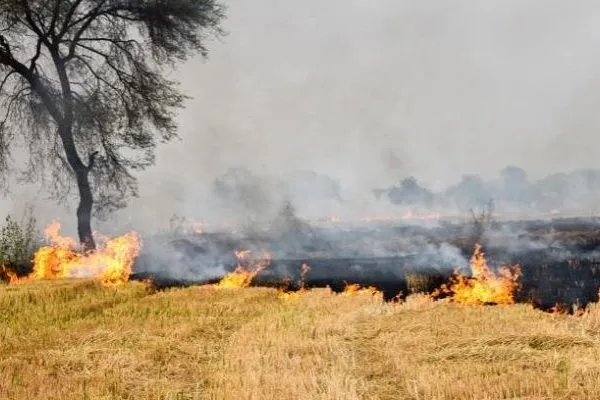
(77, 340)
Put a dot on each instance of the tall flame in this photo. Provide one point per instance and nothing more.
(484, 287)
(110, 262)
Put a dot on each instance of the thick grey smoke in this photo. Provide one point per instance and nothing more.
(371, 92)
(368, 93)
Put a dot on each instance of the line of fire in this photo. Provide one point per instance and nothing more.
(551, 264)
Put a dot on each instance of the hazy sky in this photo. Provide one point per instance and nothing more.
(370, 91)
(342, 86)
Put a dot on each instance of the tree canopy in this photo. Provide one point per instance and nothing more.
(83, 87)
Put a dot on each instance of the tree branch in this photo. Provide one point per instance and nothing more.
(67, 21)
(38, 52)
(87, 21)
(55, 17)
(43, 36)
(92, 160)
(7, 59)
(5, 79)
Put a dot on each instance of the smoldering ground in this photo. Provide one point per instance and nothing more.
(378, 253)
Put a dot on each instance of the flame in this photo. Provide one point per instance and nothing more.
(354, 289)
(8, 275)
(285, 294)
(111, 262)
(575, 309)
(243, 275)
(483, 287)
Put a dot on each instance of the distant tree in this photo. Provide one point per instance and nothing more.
(317, 186)
(411, 193)
(591, 177)
(242, 190)
(516, 187)
(470, 192)
(482, 221)
(82, 87)
(552, 191)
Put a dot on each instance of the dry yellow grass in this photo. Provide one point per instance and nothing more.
(78, 340)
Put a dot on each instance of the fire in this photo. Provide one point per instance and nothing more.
(110, 262)
(284, 294)
(354, 288)
(7, 275)
(483, 287)
(574, 309)
(245, 271)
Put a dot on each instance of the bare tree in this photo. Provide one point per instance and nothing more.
(482, 222)
(83, 89)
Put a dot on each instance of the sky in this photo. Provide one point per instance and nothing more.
(369, 92)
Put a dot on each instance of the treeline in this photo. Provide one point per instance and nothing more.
(512, 192)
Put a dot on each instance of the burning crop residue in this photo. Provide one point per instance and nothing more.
(484, 286)
(352, 289)
(245, 271)
(111, 262)
(6, 274)
(285, 294)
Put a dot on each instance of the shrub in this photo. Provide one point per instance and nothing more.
(18, 242)
(482, 221)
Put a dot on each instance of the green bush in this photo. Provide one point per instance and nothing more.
(18, 242)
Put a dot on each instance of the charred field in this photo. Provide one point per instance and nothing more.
(558, 258)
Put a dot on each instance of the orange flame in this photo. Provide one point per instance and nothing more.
(284, 294)
(243, 275)
(111, 262)
(6, 274)
(354, 288)
(483, 287)
(287, 295)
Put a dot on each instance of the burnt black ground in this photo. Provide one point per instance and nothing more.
(559, 259)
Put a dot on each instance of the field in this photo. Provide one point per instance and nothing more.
(75, 339)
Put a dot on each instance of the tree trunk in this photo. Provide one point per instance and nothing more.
(84, 210)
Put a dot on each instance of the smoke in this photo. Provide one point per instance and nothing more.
(307, 107)
(371, 93)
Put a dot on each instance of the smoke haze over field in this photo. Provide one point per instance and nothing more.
(369, 92)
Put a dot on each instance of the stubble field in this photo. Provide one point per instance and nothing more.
(75, 339)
